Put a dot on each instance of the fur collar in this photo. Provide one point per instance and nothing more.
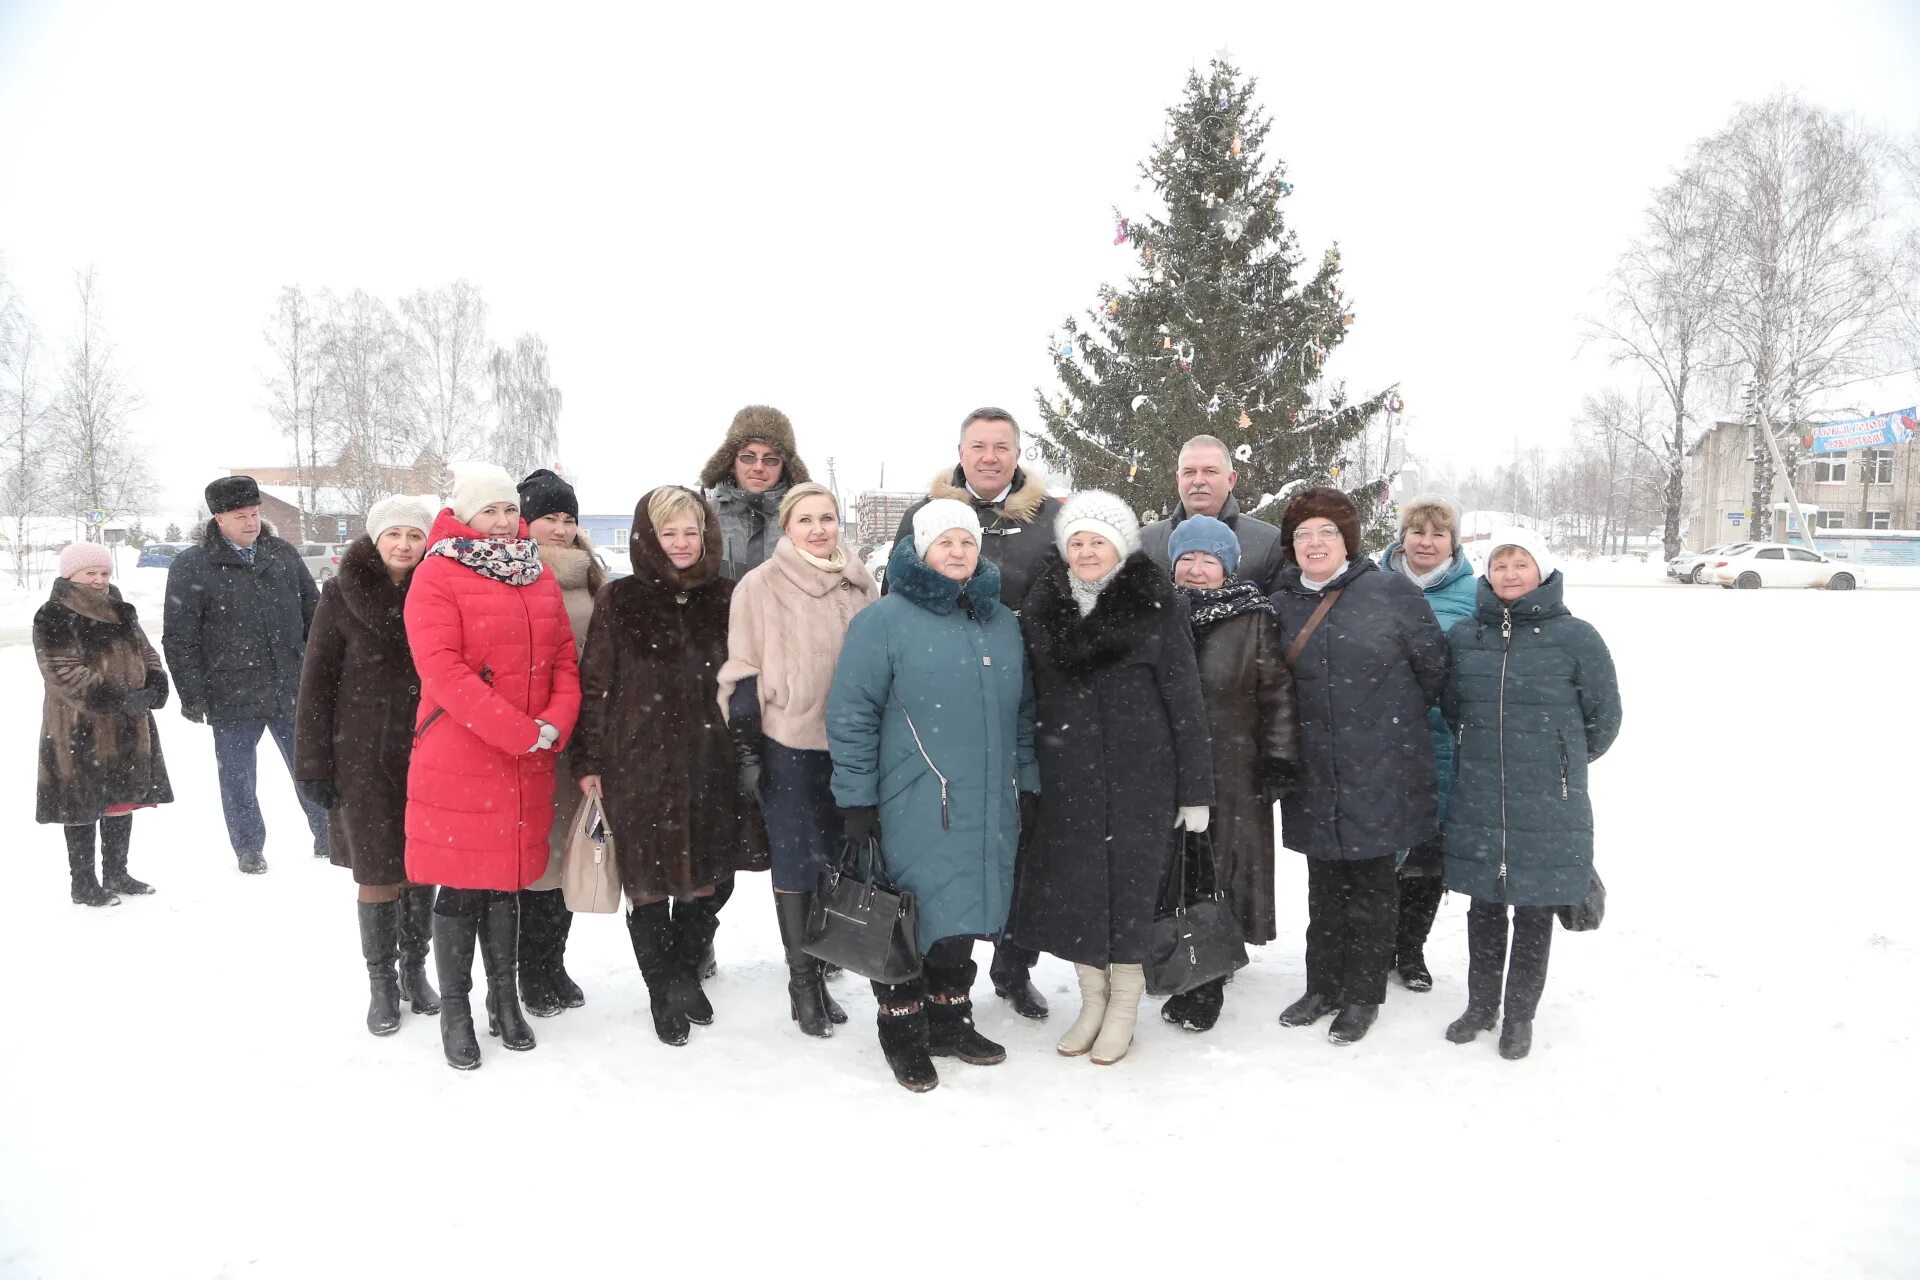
(650, 563)
(370, 594)
(88, 603)
(909, 576)
(575, 568)
(213, 542)
(1022, 505)
(810, 577)
(1133, 606)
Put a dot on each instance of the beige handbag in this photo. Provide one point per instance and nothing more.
(591, 878)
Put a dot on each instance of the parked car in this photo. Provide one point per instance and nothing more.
(617, 564)
(1691, 566)
(157, 555)
(1766, 565)
(322, 558)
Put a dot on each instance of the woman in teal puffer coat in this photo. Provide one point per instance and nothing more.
(1428, 554)
(1534, 701)
(930, 724)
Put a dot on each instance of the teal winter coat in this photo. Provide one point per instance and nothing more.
(931, 718)
(1451, 599)
(1533, 700)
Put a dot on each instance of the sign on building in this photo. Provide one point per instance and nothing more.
(1881, 432)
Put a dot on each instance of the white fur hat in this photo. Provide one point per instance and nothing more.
(1097, 511)
(478, 485)
(401, 510)
(1528, 541)
(938, 516)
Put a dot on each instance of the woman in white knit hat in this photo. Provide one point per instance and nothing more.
(352, 737)
(1125, 762)
(930, 723)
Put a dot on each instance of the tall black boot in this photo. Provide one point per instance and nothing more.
(499, 955)
(806, 985)
(1486, 970)
(902, 1020)
(536, 950)
(1012, 974)
(86, 886)
(1198, 1009)
(564, 987)
(116, 834)
(1419, 903)
(949, 1001)
(651, 930)
(694, 924)
(380, 948)
(454, 938)
(416, 931)
(709, 964)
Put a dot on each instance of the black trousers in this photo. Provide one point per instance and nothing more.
(1352, 908)
(1419, 904)
(946, 968)
(1523, 972)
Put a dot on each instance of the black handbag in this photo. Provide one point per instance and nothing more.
(1196, 936)
(1585, 916)
(864, 925)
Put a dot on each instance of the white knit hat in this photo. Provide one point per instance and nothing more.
(938, 516)
(1528, 541)
(1097, 511)
(478, 485)
(400, 510)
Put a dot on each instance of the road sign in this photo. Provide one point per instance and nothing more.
(340, 527)
(1736, 516)
(96, 517)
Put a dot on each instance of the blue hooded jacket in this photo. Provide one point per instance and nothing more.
(1451, 599)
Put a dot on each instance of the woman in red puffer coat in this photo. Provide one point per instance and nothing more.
(499, 693)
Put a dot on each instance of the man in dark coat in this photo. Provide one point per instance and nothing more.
(238, 608)
(1205, 477)
(1017, 515)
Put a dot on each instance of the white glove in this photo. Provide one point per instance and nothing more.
(1194, 817)
(548, 736)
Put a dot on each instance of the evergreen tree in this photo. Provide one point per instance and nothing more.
(1213, 333)
(173, 533)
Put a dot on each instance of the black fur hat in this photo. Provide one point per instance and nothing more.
(230, 493)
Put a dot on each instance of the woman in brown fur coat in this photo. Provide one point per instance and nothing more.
(99, 750)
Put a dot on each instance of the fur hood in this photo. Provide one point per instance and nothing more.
(1128, 614)
(1022, 505)
(910, 577)
(109, 607)
(650, 563)
(370, 594)
(762, 423)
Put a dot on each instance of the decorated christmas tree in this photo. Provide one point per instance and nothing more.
(1214, 332)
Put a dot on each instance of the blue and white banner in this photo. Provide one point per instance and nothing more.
(1881, 432)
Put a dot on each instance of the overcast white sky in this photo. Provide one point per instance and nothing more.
(869, 217)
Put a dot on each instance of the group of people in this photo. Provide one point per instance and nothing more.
(1026, 721)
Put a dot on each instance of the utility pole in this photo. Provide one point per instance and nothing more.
(1786, 476)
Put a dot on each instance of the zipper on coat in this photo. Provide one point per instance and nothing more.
(946, 820)
(427, 724)
(1560, 736)
(1506, 640)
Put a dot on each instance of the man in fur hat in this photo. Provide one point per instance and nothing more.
(238, 608)
(745, 479)
(1016, 524)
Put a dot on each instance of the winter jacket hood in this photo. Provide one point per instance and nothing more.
(1451, 599)
(650, 563)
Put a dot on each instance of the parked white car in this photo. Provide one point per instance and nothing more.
(1691, 566)
(1768, 565)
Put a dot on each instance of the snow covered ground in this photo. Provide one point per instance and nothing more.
(1722, 1079)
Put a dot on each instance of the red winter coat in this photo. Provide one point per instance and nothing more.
(492, 658)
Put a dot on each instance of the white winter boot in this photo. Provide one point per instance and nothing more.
(1126, 983)
(1093, 1011)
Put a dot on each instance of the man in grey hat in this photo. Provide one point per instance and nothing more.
(238, 608)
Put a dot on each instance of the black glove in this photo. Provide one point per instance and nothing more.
(1278, 777)
(1029, 811)
(860, 823)
(157, 686)
(136, 703)
(194, 711)
(320, 791)
(745, 731)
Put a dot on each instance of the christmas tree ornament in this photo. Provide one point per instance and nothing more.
(1114, 306)
(1244, 452)
(1066, 351)
(1395, 404)
(1346, 320)
(1133, 465)
(1222, 101)
(1284, 187)
(1235, 148)
(1245, 421)
(1208, 199)
(1166, 344)
(1120, 232)
(1213, 405)
(1066, 406)
(1140, 400)
(1148, 250)
(1333, 472)
(1159, 275)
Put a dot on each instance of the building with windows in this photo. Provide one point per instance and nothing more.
(1863, 489)
(880, 511)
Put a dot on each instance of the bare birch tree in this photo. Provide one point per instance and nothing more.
(448, 330)
(24, 421)
(98, 473)
(527, 433)
(296, 386)
(371, 419)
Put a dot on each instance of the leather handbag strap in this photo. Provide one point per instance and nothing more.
(1306, 632)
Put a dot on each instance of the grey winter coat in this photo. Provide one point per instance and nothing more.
(1534, 700)
(931, 718)
(1362, 685)
(1262, 554)
(235, 634)
(749, 525)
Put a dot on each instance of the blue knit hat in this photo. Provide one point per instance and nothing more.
(1204, 533)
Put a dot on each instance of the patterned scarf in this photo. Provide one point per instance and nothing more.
(1205, 608)
(514, 561)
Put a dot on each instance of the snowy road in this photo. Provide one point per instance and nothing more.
(1722, 1080)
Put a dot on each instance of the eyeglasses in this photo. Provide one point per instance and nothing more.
(757, 459)
(1316, 535)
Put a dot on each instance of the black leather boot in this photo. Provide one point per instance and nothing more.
(1464, 1028)
(87, 891)
(537, 942)
(116, 834)
(565, 989)
(694, 924)
(380, 948)
(416, 932)
(650, 928)
(902, 1021)
(1516, 1039)
(1352, 1023)
(806, 985)
(454, 938)
(1012, 974)
(499, 952)
(1307, 1010)
(950, 1029)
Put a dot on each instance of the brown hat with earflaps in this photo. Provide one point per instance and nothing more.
(1322, 504)
(764, 424)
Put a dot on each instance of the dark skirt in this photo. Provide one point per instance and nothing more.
(796, 795)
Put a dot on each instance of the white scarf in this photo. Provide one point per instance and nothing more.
(1087, 594)
(1425, 581)
(832, 564)
(1311, 585)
